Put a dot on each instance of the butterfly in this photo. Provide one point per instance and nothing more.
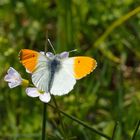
(55, 74)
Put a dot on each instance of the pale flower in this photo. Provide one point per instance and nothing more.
(14, 79)
(34, 92)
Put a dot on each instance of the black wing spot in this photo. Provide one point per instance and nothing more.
(78, 61)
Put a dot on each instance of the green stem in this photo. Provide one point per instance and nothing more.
(114, 130)
(115, 24)
(135, 132)
(58, 111)
(110, 29)
(82, 123)
(44, 122)
(44, 105)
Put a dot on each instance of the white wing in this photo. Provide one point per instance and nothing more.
(40, 76)
(64, 80)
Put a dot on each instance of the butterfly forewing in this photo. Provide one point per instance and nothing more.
(37, 64)
(80, 66)
(63, 82)
(29, 59)
(83, 66)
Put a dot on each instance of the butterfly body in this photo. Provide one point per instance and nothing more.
(53, 67)
(56, 74)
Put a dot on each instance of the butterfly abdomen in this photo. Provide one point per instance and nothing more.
(54, 67)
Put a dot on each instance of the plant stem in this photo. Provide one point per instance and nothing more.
(110, 29)
(58, 111)
(114, 130)
(44, 122)
(135, 132)
(82, 123)
(115, 24)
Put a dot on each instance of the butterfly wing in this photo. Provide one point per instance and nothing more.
(30, 59)
(63, 82)
(40, 77)
(37, 64)
(80, 66)
(64, 79)
(72, 69)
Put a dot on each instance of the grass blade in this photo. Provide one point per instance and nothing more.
(135, 132)
(114, 130)
(82, 123)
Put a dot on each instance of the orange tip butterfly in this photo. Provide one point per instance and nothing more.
(55, 74)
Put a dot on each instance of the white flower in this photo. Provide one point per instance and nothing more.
(43, 96)
(13, 78)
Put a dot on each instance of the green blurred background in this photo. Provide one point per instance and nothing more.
(109, 31)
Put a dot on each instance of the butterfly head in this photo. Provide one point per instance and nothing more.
(60, 56)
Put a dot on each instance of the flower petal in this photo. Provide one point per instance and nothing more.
(11, 71)
(13, 84)
(7, 78)
(32, 92)
(45, 97)
(13, 78)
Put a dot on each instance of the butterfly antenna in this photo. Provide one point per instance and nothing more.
(46, 48)
(75, 50)
(51, 46)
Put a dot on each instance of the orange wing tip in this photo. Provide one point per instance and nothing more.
(93, 67)
(20, 55)
(94, 64)
(28, 58)
(83, 66)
